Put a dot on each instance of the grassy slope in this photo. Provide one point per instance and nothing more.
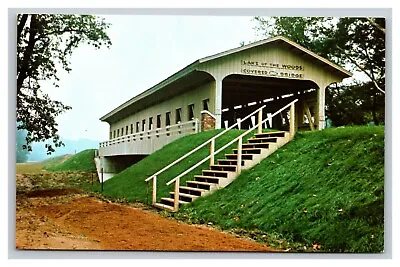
(83, 161)
(130, 183)
(325, 187)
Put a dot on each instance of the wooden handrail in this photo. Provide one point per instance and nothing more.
(202, 145)
(231, 142)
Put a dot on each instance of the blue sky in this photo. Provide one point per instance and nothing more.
(146, 49)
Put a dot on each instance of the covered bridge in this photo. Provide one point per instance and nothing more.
(214, 92)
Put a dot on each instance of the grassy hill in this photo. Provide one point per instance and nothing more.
(324, 188)
(82, 161)
(130, 183)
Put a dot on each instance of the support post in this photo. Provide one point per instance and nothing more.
(259, 121)
(320, 116)
(308, 113)
(239, 156)
(269, 120)
(212, 149)
(154, 201)
(196, 126)
(239, 123)
(102, 180)
(292, 121)
(218, 103)
(176, 195)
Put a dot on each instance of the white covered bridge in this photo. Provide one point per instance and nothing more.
(218, 91)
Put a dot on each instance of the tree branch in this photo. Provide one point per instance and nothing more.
(361, 68)
(61, 32)
(379, 27)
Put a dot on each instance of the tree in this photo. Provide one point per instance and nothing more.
(354, 104)
(21, 154)
(355, 42)
(45, 43)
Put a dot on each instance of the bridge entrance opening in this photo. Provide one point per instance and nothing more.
(243, 94)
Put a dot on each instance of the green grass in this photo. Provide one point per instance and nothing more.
(81, 162)
(53, 162)
(325, 187)
(130, 183)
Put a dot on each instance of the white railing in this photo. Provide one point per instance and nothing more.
(211, 141)
(169, 130)
(212, 154)
(239, 139)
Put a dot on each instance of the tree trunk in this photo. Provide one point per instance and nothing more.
(376, 122)
(20, 26)
(23, 68)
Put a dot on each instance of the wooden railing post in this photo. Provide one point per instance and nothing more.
(176, 195)
(259, 121)
(102, 179)
(292, 121)
(212, 149)
(238, 121)
(154, 201)
(239, 155)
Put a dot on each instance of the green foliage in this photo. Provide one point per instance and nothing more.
(45, 43)
(349, 41)
(81, 162)
(324, 188)
(358, 104)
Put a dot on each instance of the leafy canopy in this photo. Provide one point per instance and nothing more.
(45, 43)
(355, 42)
(358, 44)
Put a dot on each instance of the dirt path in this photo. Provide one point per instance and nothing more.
(69, 219)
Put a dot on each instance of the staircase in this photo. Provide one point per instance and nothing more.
(226, 170)
(222, 174)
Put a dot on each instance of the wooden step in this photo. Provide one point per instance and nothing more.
(201, 185)
(270, 134)
(170, 201)
(216, 173)
(249, 151)
(229, 162)
(262, 140)
(256, 145)
(184, 197)
(234, 156)
(230, 168)
(163, 206)
(208, 179)
(191, 190)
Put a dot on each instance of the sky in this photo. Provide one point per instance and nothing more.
(146, 49)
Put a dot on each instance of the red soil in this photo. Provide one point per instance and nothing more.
(64, 219)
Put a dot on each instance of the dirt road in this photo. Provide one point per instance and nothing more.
(70, 219)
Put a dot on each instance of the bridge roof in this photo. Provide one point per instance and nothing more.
(191, 69)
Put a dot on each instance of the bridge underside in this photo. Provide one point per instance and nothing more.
(109, 166)
(117, 154)
(242, 94)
